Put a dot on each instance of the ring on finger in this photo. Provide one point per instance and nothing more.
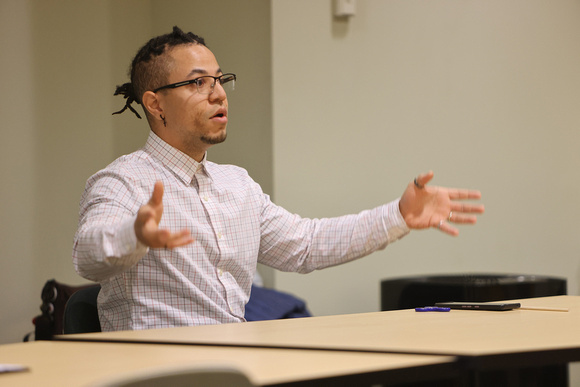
(440, 224)
(450, 215)
(420, 186)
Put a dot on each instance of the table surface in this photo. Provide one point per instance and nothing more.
(468, 333)
(59, 363)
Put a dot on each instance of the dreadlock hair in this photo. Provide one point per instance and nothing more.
(150, 68)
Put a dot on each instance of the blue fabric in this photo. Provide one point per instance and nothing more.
(269, 304)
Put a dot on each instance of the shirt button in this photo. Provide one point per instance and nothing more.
(206, 198)
(219, 235)
(220, 271)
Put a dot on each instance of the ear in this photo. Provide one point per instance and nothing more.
(152, 103)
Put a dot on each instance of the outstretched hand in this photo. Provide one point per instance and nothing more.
(425, 206)
(147, 224)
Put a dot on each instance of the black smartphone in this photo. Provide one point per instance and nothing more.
(480, 305)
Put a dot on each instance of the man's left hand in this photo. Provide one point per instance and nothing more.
(424, 206)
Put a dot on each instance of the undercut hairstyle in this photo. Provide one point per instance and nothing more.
(151, 66)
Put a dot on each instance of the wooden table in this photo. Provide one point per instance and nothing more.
(482, 339)
(72, 364)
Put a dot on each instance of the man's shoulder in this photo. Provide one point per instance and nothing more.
(227, 171)
(136, 160)
(232, 177)
(136, 165)
(225, 168)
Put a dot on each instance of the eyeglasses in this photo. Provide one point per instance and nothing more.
(205, 84)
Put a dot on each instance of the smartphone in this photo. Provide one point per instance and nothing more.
(480, 305)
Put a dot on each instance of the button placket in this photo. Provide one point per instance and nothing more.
(207, 199)
(206, 196)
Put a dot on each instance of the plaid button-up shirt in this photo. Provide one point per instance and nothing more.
(234, 224)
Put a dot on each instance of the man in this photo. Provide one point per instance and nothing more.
(174, 239)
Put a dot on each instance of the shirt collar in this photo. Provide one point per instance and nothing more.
(181, 164)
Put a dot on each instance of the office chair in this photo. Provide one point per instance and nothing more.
(54, 297)
(411, 292)
(264, 304)
(80, 313)
(207, 376)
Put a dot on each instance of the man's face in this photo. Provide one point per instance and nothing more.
(194, 121)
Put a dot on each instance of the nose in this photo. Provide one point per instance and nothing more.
(218, 92)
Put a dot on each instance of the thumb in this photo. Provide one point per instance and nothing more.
(424, 178)
(157, 195)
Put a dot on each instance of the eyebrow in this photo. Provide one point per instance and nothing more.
(202, 72)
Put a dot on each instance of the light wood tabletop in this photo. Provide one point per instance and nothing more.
(72, 364)
(467, 333)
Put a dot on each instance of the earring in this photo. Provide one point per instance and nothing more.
(163, 118)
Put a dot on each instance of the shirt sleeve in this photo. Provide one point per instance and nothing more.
(105, 244)
(292, 243)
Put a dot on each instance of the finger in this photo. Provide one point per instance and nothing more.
(463, 194)
(157, 238)
(157, 195)
(445, 227)
(179, 239)
(462, 219)
(165, 239)
(423, 179)
(467, 208)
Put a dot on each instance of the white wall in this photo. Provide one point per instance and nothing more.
(54, 134)
(485, 93)
(17, 171)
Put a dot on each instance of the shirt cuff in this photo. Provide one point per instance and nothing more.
(394, 223)
(122, 248)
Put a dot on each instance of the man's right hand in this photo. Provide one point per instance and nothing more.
(147, 224)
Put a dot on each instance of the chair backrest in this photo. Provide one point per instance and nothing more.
(54, 297)
(201, 376)
(80, 313)
(411, 292)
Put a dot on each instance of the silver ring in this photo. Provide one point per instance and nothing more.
(450, 215)
(418, 185)
(440, 224)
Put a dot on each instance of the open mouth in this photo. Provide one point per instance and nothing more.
(221, 116)
(220, 113)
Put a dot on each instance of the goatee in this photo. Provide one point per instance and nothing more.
(215, 139)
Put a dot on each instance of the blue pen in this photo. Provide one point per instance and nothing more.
(432, 309)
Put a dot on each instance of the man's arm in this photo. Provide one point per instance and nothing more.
(114, 233)
(291, 243)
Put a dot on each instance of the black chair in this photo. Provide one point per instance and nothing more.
(80, 313)
(73, 309)
(418, 291)
(54, 297)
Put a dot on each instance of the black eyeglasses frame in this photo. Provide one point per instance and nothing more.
(192, 81)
